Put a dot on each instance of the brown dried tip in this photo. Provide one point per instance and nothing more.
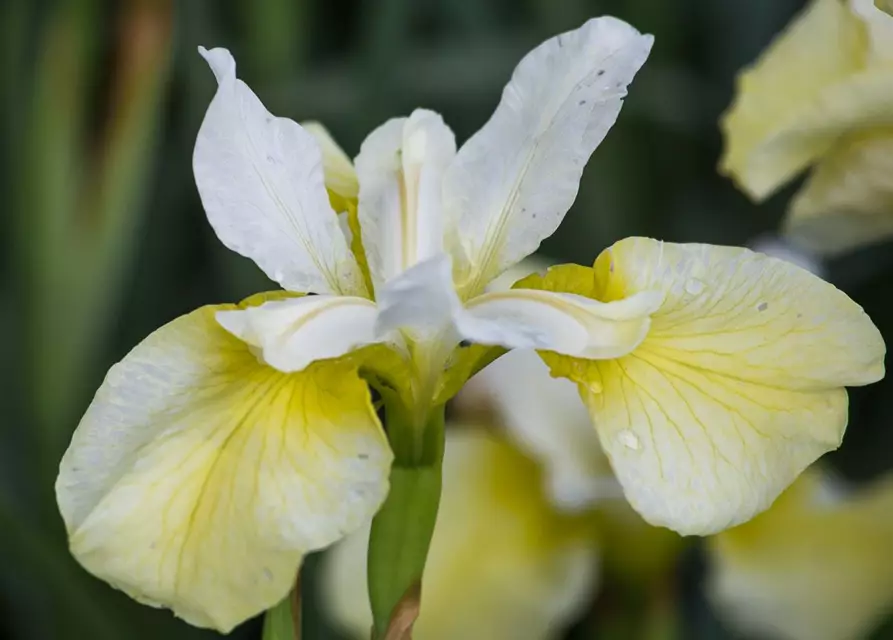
(405, 614)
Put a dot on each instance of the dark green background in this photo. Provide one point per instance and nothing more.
(75, 159)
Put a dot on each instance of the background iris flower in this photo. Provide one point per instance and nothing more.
(820, 97)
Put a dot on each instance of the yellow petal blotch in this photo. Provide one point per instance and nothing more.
(199, 477)
(738, 386)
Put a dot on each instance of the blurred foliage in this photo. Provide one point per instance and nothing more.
(103, 236)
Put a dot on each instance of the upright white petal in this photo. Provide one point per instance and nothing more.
(260, 179)
(512, 182)
(291, 334)
(400, 169)
(562, 322)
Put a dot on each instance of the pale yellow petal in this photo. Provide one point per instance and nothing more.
(818, 565)
(745, 315)
(786, 104)
(848, 200)
(502, 564)
(738, 386)
(699, 452)
(198, 477)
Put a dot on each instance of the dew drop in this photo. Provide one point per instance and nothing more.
(629, 440)
(594, 387)
(694, 286)
(762, 306)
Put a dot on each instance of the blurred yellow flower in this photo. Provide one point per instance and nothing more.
(818, 565)
(821, 95)
(503, 565)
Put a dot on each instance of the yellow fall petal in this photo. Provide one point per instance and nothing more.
(738, 386)
(199, 477)
(503, 563)
(786, 89)
(848, 199)
(744, 314)
(818, 565)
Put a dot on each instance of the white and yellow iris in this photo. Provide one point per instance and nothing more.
(237, 438)
(821, 95)
(818, 565)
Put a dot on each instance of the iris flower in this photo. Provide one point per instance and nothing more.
(821, 96)
(237, 438)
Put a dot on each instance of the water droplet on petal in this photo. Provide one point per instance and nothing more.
(693, 286)
(762, 306)
(629, 440)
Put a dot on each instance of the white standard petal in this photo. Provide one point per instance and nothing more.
(400, 169)
(562, 322)
(291, 334)
(511, 184)
(260, 179)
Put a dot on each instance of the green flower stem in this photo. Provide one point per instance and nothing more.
(402, 529)
(283, 622)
